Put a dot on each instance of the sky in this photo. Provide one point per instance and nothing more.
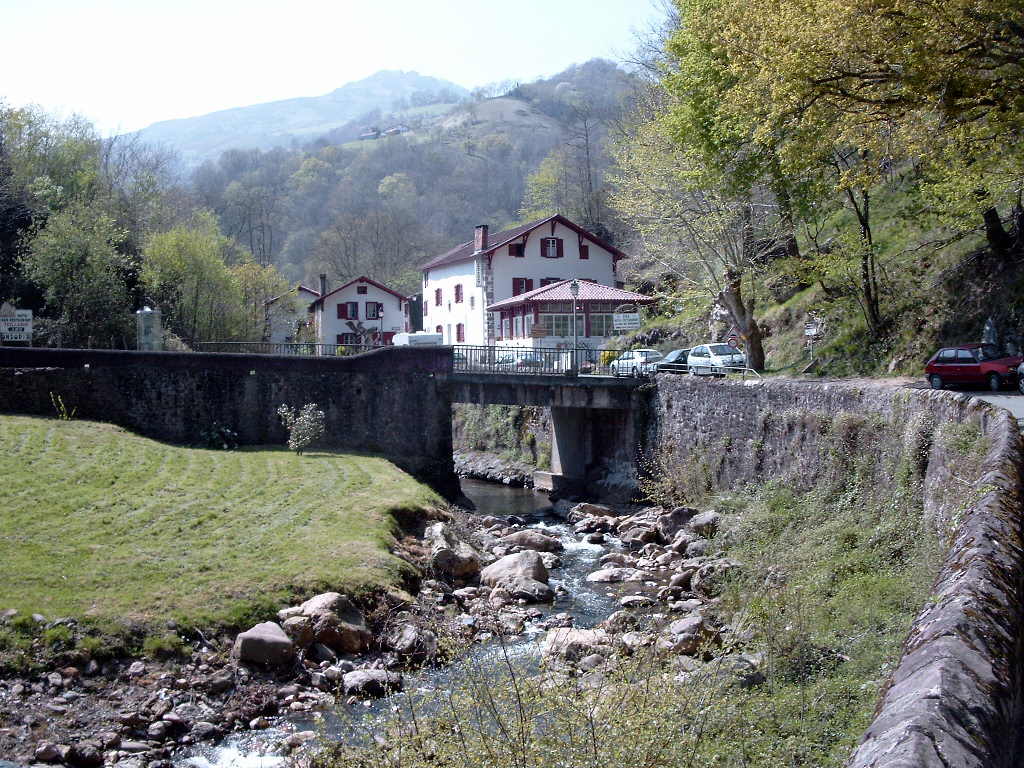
(125, 64)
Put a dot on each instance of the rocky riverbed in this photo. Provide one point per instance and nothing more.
(484, 576)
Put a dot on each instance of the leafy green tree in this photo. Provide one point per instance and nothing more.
(85, 278)
(186, 274)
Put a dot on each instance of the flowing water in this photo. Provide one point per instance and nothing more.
(587, 603)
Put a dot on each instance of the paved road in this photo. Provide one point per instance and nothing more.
(1011, 401)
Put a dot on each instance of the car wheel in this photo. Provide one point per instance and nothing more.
(1020, 384)
(936, 381)
(615, 371)
(636, 373)
(994, 382)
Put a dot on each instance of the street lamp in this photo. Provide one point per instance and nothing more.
(574, 289)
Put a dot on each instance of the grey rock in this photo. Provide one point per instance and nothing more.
(220, 681)
(265, 644)
(572, 644)
(411, 641)
(529, 590)
(342, 636)
(371, 682)
(203, 731)
(636, 537)
(528, 565)
(136, 669)
(705, 524)
(533, 540)
(299, 629)
(48, 752)
(616, 575)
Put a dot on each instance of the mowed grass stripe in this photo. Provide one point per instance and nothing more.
(98, 522)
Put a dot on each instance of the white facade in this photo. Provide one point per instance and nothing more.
(287, 313)
(458, 286)
(361, 312)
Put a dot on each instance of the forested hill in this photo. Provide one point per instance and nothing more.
(279, 123)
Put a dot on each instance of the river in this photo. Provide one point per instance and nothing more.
(587, 603)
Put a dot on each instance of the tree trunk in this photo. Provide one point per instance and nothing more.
(999, 241)
(742, 315)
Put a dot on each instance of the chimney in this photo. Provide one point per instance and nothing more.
(480, 238)
(323, 285)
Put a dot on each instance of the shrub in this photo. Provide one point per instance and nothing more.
(305, 426)
(218, 437)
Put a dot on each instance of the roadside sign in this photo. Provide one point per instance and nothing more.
(538, 331)
(16, 325)
(733, 342)
(812, 328)
(626, 321)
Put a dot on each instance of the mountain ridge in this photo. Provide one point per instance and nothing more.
(279, 123)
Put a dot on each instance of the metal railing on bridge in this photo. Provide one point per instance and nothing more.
(273, 348)
(538, 361)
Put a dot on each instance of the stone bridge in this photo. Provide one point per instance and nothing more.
(596, 423)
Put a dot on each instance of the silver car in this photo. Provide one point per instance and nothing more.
(715, 360)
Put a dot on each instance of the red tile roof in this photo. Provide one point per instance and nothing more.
(495, 241)
(560, 291)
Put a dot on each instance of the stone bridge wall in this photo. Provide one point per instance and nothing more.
(395, 402)
(954, 699)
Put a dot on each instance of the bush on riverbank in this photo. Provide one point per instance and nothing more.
(124, 533)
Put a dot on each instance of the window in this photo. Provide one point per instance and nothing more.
(551, 247)
(516, 249)
(521, 285)
(559, 325)
(601, 325)
(426, 306)
(437, 297)
(348, 310)
(360, 289)
(584, 251)
(346, 339)
(472, 302)
(439, 329)
(964, 356)
(460, 333)
(458, 293)
(547, 281)
(373, 310)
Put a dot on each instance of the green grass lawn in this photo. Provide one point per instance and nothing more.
(101, 524)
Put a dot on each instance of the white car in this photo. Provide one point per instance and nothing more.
(635, 362)
(715, 359)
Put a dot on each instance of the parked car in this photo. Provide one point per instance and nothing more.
(518, 361)
(634, 362)
(673, 362)
(715, 359)
(979, 364)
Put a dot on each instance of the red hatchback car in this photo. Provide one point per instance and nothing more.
(984, 364)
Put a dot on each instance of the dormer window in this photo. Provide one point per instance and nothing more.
(551, 247)
(361, 289)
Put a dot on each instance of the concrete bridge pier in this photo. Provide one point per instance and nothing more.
(592, 450)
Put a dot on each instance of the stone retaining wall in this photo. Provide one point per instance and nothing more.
(394, 402)
(954, 698)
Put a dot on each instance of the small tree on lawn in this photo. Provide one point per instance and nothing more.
(305, 426)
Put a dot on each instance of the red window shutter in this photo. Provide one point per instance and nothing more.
(458, 293)
(341, 310)
(339, 339)
(438, 330)
(460, 332)
(437, 297)
(529, 286)
(584, 251)
(560, 243)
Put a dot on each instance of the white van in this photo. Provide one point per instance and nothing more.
(418, 339)
(715, 359)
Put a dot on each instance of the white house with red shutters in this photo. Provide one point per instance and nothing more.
(360, 312)
(504, 288)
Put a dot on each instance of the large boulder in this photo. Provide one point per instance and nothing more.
(450, 556)
(671, 523)
(530, 590)
(573, 644)
(637, 536)
(333, 620)
(412, 642)
(688, 636)
(533, 540)
(585, 509)
(705, 524)
(616, 575)
(371, 682)
(521, 565)
(266, 644)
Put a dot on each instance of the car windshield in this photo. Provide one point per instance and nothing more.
(674, 355)
(722, 349)
(989, 352)
(648, 354)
